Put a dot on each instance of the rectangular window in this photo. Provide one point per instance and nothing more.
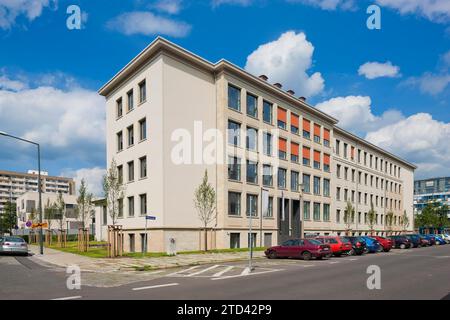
(317, 185)
(130, 131)
(306, 129)
(295, 152)
(234, 98)
(252, 105)
(294, 180)
(131, 206)
(234, 168)
(130, 100)
(282, 118)
(306, 156)
(352, 153)
(234, 203)
(270, 208)
(267, 144)
(345, 150)
(143, 129)
(267, 112)
(120, 213)
(306, 183)
(142, 92)
(120, 174)
(234, 133)
(326, 187)
(119, 106)
(252, 205)
(143, 204)
(326, 162)
(267, 175)
(338, 147)
(326, 137)
(235, 240)
(306, 210)
(326, 212)
(316, 159)
(317, 135)
(282, 148)
(295, 121)
(143, 167)
(338, 216)
(282, 178)
(252, 139)
(316, 211)
(130, 171)
(338, 193)
(252, 172)
(119, 141)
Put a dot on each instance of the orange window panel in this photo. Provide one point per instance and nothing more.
(295, 121)
(326, 159)
(294, 148)
(353, 152)
(317, 156)
(306, 125)
(282, 145)
(306, 153)
(317, 130)
(326, 134)
(282, 115)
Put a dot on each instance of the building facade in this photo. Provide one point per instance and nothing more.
(431, 190)
(270, 156)
(14, 184)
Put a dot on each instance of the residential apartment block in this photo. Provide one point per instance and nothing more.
(169, 112)
(431, 190)
(14, 184)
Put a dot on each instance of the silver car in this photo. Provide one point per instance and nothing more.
(14, 245)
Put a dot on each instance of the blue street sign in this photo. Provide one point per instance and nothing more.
(150, 218)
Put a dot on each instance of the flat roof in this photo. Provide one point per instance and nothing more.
(24, 174)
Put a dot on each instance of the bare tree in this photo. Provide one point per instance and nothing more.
(389, 220)
(205, 203)
(49, 213)
(114, 190)
(405, 221)
(84, 204)
(61, 211)
(349, 213)
(371, 217)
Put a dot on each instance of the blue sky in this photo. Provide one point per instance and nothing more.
(47, 71)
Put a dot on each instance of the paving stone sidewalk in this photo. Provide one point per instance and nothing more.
(103, 265)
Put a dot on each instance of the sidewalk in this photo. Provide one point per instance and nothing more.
(104, 265)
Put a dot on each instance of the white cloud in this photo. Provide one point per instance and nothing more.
(92, 176)
(10, 10)
(355, 113)
(147, 23)
(328, 4)
(373, 70)
(420, 139)
(430, 83)
(434, 10)
(13, 85)
(168, 6)
(243, 3)
(287, 60)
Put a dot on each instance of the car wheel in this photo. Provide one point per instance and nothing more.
(402, 246)
(272, 255)
(351, 252)
(306, 255)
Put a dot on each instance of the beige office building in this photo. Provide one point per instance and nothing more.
(270, 156)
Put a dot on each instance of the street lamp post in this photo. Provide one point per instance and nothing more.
(302, 221)
(41, 243)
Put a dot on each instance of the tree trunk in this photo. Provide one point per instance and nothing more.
(206, 238)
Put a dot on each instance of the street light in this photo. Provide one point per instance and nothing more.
(2, 133)
(302, 227)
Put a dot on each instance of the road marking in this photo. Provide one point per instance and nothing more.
(246, 271)
(250, 274)
(353, 259)
(204, 270)
(333, 262)
(157, 286)
(220, 273)
(309, 265)
(182, 271)
(68, 298)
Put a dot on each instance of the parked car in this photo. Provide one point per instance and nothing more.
(415, 240)
(400, 242)
(358, 245)
(445, 237)
(430, 238)
(372, 245)
(385, 243)
(13, 245)
(424, 241)
(439, 241)
(300, 248)
(337, 244)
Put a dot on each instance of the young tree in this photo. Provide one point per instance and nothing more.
(49, 213)
(114, 190)
(61, 211)
(84, 204)
(371, 217)
(9, 219)
(205, 203)
(389, 220)
(405, 221)
(349, 212)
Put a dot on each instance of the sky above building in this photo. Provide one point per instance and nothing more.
(388, 85)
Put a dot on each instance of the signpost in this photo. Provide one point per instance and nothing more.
(39, 225)
(152, 218)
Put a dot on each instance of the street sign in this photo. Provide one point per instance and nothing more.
(39, 225)
(29, 224)
(150, 217)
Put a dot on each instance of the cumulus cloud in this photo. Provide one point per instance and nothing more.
(430, 83)
(287, 60)
(434, 10)
(168, 6)
(328, 4)
(92, 176)
(10, 10)
(373, 70)
(12, 85)
(355, 113)
(147, 23)
(243, 3)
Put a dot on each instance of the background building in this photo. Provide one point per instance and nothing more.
(431, 190)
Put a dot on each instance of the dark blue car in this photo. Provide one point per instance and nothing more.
(372, 245)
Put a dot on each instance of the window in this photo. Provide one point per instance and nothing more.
(252, 172)
(306, 210)
(252, 205)
(270, 208)
(307, 183)
(119, 141)
(316, 211)
(326, 187)
(317, 135)
(130, 171)
(234, 203)
(338, 147)
(316, 159)
(234, 133)
(326, 162)
(282, 148)
(267, 175)
(130, 131)
(338, 170)
(306, 156)
(234, 168)
(267, 144)
(326, 212)
(317, 185)
(326, 137)
(143, 204)
(235, 240)
(294, 123)
(143, 167)
(338, 193)
(234, 98)
(142, 92)
(338, 216)
(295, 152)
(143, 129)
(119, 107)
(120, 213)
(267, 112)
(131, 206)
(252, 105)
(345, 150)
(120, 174)
(282, 118)
(282, 178)
(294, 180)
(306, 129)
(130, 100)
(352, 153)
(252, 139)
(105, 215)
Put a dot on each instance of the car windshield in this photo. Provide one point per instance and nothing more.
(11, 239)
(315, 242)
(345, 240)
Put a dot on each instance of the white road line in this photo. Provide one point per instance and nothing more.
(333, 262)
(220, 273)
(158, 286)
(353, 259)
(309, 265)
(250, 274)
(182, 271)
(204, 270)
(68, 298)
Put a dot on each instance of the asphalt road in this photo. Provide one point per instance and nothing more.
(405, 274)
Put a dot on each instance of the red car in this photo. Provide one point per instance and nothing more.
(299, 248)
(385, 243)
(338, 245)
